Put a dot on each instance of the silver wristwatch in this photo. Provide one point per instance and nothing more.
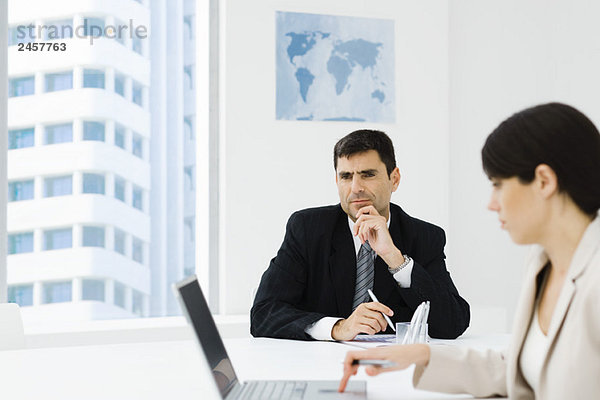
(407, 260)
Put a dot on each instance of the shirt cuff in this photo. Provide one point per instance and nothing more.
(403, 276)
(321, 330)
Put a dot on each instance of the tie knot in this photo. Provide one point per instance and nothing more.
(367, 246)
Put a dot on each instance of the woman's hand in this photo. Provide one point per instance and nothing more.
(403, 356)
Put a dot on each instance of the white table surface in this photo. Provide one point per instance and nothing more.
(171, 370)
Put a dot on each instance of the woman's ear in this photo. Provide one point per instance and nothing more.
(546, 180)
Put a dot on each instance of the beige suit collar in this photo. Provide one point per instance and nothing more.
(588, 245)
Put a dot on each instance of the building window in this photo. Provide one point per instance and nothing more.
(189, 177)
(119, 294)
(57, 292)
(20, 243)
(59, 81)
(93, 236)
(58, 239)
(93, 183)
(120, 84)
(137, 198)
(21, 86)
(93, 130)
(120, 136)
(58, 186)
(119, 188)
(21, 34)
(62, 29)
(62, 133)
(137, 250)
(20, 190)
(136, 44)
(189, 79)
(92, 289)
(190, 227)
(137, 303)
(119, 241)
(120, 35)
(20, 138)
(136, 94)
(137, 143)
(93, 27)
(93, 78)
(189, 132)
(21, 294)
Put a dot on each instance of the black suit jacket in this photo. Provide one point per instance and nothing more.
(314, 274)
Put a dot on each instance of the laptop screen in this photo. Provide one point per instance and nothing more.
(208, 335)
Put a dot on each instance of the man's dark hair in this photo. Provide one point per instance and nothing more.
(554, 134)
(365, 140)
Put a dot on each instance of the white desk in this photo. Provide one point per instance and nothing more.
(170, 370)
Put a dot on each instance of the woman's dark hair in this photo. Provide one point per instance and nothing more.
(365, 140)
(554, 134)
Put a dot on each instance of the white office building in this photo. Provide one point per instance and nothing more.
(101, 199)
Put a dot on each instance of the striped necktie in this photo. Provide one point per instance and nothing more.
(365, 274)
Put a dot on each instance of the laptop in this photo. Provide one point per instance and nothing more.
(226, 383)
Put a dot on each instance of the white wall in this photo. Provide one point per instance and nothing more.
(271, 168)
(462, 67)
(505, 56)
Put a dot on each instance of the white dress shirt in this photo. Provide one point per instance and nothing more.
(321, 330)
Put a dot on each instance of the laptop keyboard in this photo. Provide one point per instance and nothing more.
(272, 390)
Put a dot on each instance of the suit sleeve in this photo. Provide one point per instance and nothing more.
(276, 311)
(462, 370)
(449, 314)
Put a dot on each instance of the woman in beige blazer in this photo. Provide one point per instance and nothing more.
(544, 164)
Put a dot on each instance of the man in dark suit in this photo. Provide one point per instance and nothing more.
(315, 288)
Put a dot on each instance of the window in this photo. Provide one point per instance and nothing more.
(62, 133)
(189, 177)
(93, 27)
(137, 303)
(136, 94)
(20, 190)
(120, 136)
(137, 250)
(21, 86)
(137, 144)
(119, 241)
(120, 35)
(119, 294)
(57, 292)
(136, 45)
(21, 294)
(58, 186)
(93, 78)
(59, 81)
(93, 183)
(20, 138)
(21, 34)
(62, 29)
(187, 70)
(93, 130)
(120, 84)
(137, 198)
(58, 239)
(20, 243)
(93, 236)
(92, 289)
(189, 132)
(119, 188)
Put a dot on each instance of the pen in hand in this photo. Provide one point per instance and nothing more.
(389, 321)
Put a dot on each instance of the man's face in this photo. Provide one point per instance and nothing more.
(362, 180)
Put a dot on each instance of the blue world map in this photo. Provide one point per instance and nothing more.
(342, 72)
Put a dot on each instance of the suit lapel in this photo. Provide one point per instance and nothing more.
(583, 254)
(342, 266)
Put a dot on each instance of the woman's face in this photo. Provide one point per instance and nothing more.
(519, 209)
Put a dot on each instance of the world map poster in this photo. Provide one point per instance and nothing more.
(333, 68)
